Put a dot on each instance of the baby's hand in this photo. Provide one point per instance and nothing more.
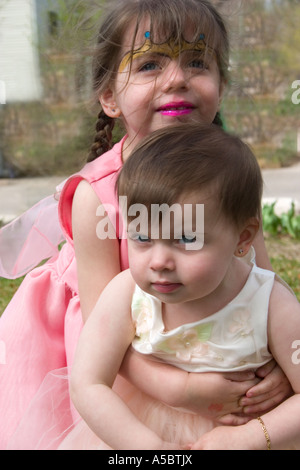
(272, 390)
(215, 395)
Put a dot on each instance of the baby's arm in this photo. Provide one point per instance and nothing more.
(102, 345)
(213, 395)
(281, 426)
(218, 396)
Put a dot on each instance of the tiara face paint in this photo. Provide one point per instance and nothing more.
(169, 49)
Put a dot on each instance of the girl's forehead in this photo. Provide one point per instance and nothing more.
(147, 41)
(135, 35)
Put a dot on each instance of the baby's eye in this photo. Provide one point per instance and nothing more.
(186, 239)
(143, 238)
(140, 238)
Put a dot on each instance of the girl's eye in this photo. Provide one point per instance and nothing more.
(198, 63)
(149, 67)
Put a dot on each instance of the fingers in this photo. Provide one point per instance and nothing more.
(241, 376)
(262, 403)
(263, 371)
(242, 388)
(274, 383)
(233, 420)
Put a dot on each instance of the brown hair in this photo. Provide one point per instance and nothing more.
(184, 159)
(167, 16)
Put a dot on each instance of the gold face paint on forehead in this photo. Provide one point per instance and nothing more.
(169, 49)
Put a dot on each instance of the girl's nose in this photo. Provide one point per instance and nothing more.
(174, 77)
(162, 258)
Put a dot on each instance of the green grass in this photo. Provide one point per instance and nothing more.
(289, 271)
(7, 289)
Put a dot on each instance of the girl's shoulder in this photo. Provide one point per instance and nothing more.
(284, 314)
(99, 175)
(282, 300)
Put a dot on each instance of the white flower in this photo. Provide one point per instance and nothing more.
(240, 322)
(143, 316)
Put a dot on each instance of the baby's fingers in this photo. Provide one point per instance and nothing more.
(262, 403)
(241, 376)
(233, 420)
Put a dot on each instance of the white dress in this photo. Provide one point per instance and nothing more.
(232, 339)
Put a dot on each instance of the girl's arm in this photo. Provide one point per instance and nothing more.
(281, 426)
(261, 254)
(274, 386)
(97, 260)
(104, 340)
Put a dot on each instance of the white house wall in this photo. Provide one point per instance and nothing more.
(19, 65)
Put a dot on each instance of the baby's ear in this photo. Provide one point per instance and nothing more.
(108, 103)
(247, 235)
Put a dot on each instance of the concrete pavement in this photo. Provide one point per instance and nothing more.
(282, 185)
(18, 195)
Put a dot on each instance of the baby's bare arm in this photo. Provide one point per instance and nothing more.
(213, 395)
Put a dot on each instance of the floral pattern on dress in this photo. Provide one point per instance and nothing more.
(240, 323)
(142, 315)
(189, 343)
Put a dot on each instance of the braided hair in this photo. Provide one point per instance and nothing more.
(103, 138)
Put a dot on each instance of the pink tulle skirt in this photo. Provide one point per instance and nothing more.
(52, 423)
(39, 332)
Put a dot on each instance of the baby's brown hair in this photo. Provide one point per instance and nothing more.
(182, 160)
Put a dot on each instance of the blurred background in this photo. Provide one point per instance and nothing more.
(46, 116)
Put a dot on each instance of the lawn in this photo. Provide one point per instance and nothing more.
(284, 253)
(7, 289)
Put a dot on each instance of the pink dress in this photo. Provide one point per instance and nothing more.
(40, 327)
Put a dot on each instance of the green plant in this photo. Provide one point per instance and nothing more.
(271, 221)
(286, 223)
(291, 222)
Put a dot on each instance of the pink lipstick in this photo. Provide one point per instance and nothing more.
(178, 108)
